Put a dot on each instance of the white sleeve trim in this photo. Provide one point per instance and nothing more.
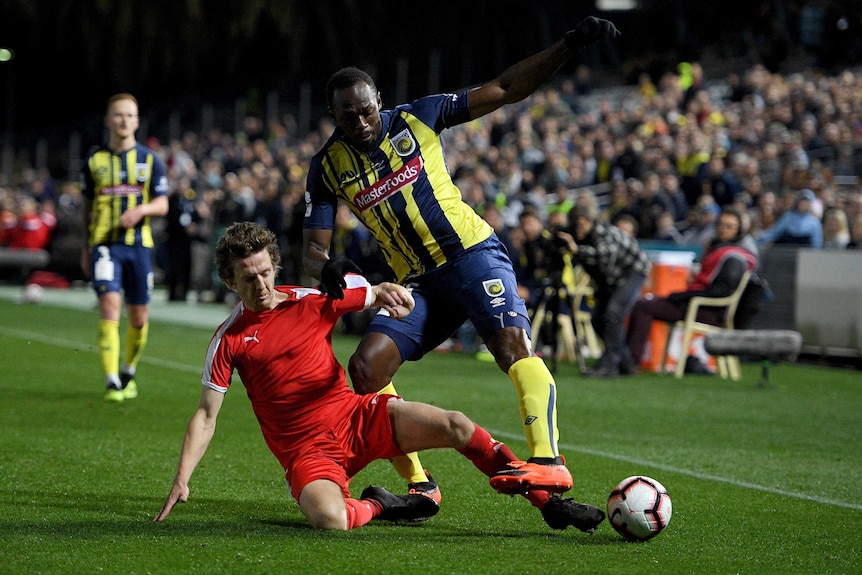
(355, 281)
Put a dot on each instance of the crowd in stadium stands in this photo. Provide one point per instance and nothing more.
(659, 159)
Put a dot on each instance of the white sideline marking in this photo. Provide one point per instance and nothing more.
(690, 473)
(59, 342)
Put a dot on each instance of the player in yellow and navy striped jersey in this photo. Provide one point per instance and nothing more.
(389, 167)
(125, 185)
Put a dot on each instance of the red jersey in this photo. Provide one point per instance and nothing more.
(714, 260)
(8, 221)
(284, 359)
(33, 231)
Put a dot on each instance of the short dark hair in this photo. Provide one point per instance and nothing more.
(241, 240)
(345, 78)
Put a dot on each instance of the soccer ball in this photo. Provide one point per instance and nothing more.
(639, 508)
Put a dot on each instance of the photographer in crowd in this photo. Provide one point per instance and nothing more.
(619, 268)
(540, 262)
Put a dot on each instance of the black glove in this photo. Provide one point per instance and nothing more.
(590, 30)
(332, 276)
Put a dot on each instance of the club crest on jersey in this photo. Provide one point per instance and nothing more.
(403, 143)
(494, 287)
(142, 172)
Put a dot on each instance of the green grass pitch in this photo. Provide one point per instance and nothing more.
(762, 480)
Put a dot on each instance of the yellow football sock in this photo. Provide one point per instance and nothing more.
(408, 466)
(136, 341)
(537, 394)
(109, 346)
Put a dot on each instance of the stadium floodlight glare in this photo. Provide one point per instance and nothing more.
(618, 5)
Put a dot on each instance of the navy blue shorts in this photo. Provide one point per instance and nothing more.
(479, 286)
(130, 268)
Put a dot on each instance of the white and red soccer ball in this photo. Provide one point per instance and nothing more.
(639, 508)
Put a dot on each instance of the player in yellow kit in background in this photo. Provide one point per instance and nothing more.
(124, 185)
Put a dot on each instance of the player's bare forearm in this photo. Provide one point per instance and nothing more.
(199, 433)
(316, 251)
(157, 207)
(191, 454)
(519, 80)
(313, 266)
(522, 79)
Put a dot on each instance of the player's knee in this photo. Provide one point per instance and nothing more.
(363, 375)
(371, 371)
(328, 523)
(509, 345)
(138, 318)
(461, 428)
(331, 517)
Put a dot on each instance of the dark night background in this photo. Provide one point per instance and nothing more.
(177, 55)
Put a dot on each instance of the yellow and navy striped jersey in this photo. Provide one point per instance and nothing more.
(402, 190)
(116, 182)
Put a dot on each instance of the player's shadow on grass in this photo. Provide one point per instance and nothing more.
(94, 515)
(442, 533)
(87, 513)
(459, 535)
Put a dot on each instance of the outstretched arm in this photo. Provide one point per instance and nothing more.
(199, 432)
(776, 231)
(522, 79)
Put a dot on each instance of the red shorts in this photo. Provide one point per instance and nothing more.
(340, 452)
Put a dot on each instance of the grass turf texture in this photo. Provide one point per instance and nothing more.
(762, 480)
